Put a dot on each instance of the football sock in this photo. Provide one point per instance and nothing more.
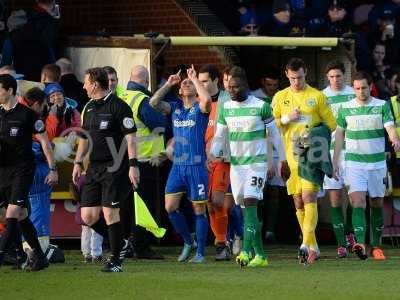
(115, 237)
(359, 224)
(178, 221)
(309, 224)
(257, 242)
(101, 227)
(349, 211)
(30, 235)
(300, 218)
(220, 224)
(18, 241)
(9, 233)
(376, 225)
(338, 225)
(250, 227)
(201, 233)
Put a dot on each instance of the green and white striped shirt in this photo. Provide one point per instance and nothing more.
(245, 122)
(335, 101)
(364, 127)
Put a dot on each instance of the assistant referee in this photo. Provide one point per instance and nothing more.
(109, 129)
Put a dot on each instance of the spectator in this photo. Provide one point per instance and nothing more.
(281, 23)
(32, 39)
(72, 87)
(250, 19)
(387, 32)
(62, 112)
(50, 73)
(386, 5)
(378, 67)
(336, 23)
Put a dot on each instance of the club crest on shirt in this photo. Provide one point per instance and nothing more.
(177, 111)
(311, 102)
(14, 131)
(253, 112)
(39, 125)
(375, 110)
(103, 125)
(128, 123)
(191, 111)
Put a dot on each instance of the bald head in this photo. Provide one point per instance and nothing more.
(139, 74)
(65, 66)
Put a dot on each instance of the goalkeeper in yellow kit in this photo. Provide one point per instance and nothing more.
(295, 109)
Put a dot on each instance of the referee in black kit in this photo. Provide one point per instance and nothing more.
(108, 131)
(17, 168)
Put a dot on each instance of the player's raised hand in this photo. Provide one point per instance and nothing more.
(174, 79)
(191, 73)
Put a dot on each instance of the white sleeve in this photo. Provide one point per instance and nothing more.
(220, 145)
(274, 134)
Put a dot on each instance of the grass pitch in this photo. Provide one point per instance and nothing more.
(284, 278)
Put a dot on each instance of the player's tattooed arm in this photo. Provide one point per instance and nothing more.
(156, 100)
(204, 96)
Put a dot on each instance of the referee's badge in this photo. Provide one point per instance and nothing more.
(39, 125)
(14, 131)
(103, 124)
(128, 123)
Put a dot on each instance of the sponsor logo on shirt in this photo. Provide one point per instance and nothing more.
(185, 123)
(103, 124)
(14, 131)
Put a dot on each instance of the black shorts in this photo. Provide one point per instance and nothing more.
(15, 183)
(103, 188)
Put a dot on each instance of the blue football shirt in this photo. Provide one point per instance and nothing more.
(189, 126)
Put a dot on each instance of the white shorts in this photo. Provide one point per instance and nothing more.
(248, 182)
(332, 183)
(371, 181)
(276, 180)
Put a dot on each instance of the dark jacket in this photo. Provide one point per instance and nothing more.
(315, 161)
(73, 89)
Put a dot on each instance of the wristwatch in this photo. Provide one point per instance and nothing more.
(53, 168)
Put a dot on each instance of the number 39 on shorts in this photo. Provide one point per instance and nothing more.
(257, 181)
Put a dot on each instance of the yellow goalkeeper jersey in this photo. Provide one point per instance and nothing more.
(313, 107)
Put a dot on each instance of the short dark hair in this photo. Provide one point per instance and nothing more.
(335, 65)
(52, 71)
(227, 69)
(98, 75)
(110, 70)
(361, 75)
(8, 82)
(35, 94)
(270, 72)
(239, 73)
(295, 64)
(212, 71)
